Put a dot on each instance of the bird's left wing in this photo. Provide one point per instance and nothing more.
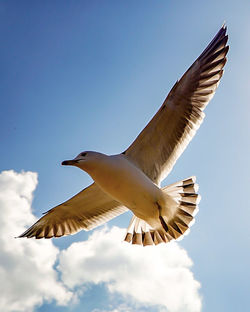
(86, 210)
(163, 140)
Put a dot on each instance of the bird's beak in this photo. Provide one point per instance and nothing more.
(72, 162)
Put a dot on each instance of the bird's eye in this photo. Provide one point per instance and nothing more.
(83, 154)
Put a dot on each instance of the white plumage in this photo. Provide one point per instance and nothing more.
(131, 180)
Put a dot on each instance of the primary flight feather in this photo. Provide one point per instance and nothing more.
(131, 180)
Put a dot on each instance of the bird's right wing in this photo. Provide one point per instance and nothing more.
(166, 136)
(86, 210)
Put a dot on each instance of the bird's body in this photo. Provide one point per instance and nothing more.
(127, 184)
(131, 180)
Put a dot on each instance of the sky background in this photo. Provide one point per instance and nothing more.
(89, 75)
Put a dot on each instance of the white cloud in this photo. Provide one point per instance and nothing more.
(144, 277)
(147, 275)
(119, 308)
(26, 266)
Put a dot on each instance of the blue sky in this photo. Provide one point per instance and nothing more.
(89, 75)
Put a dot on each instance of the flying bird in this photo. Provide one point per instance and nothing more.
(131, 180)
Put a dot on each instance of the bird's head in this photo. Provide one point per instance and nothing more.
(84, 160)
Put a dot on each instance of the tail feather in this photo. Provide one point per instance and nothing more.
(185, 195)
(158, 238)
(147, 239)
(191, 198)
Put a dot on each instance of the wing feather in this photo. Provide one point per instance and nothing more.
(86, 210)
(163, 140)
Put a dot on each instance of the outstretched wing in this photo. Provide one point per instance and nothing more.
(86, 210)
(163, 140)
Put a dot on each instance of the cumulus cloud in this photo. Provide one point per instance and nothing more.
(147, 275)
(144, 277)
(26, 266)
(119, 308)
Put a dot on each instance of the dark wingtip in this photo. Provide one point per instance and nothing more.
(20, 236)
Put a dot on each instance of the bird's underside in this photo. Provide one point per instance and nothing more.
(185, 195)
(154, 152)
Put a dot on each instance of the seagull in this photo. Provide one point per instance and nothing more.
(132, 180)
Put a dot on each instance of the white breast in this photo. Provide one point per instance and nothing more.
(127, 184)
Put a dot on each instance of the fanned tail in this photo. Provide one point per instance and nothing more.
(141, 233)
(184, 193)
